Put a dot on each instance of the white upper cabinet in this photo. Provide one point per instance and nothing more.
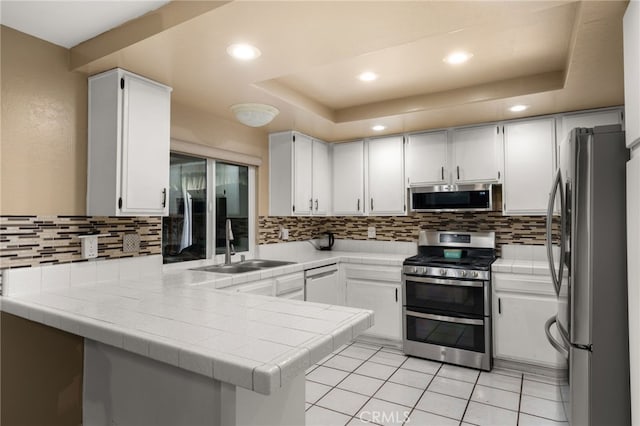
(631, 37)
(299, 175)
(604, 117)
(348, 178)
(302, 175)
(386, 176)
(528, 166)
(476, 154)
(426, 159)
(321, 179)
(128, 149)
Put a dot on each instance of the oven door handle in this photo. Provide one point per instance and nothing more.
(459, 283)
(443, 318)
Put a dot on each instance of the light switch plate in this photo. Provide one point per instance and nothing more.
(371, 232)
(131, 243)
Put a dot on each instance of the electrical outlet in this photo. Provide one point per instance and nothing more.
(284, 234)
(89, 246)
(131, 243)
(371, 232)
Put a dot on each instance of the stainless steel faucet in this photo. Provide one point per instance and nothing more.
(229, 248)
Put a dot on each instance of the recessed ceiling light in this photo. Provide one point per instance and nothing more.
(518, 108)
(244, 52)
(378, 127)
(456, 58)
(368, 76)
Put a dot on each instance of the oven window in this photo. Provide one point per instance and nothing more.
(445, 298)
(462, 336)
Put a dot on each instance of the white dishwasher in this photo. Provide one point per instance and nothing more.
(321, 284)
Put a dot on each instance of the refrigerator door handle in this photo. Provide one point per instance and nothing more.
(557, 345)
(557, 186)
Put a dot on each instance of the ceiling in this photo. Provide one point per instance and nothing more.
(68, 23)
(550, 55)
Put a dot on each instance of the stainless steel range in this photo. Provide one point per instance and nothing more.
(447, 298)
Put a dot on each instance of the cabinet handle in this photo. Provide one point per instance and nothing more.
(316, 204)
(358, 204)
(458, 170)
(164, 197)
(498, 174)
(442, 172)
(311, 204)
(372, 204)
(396, 294)
(499, 306)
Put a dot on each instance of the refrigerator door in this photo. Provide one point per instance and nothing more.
(579, 198)
(633, 253)
(579, 407)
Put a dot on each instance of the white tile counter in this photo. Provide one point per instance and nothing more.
(181, 318)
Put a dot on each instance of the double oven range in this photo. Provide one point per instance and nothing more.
(447, 298)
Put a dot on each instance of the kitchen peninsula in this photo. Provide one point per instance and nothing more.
(172, 348)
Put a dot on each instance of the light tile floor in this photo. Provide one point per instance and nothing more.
(365, 384)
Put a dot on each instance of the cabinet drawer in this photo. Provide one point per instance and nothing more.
(289, 283)
(264, 288)
(374, 273)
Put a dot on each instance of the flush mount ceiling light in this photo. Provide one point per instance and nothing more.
(518, 108)
(378, 127)
(457, 58)
(243, 52)
(254, 115)
(368, 76)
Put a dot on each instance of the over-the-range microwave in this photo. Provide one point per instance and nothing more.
(450, 198)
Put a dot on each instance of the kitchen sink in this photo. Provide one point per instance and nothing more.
(264, 263)
(244, 266)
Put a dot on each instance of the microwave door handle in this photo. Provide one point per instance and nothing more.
(557, 185)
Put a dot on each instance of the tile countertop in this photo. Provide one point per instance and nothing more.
(180, 317)
(524, 259)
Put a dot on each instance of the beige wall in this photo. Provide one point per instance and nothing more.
(192, 125)
(44, 131)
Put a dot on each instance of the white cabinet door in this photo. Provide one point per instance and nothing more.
(631, 37)
(567, 122)
(528, 166)
(426, 159)
(384, 300)
(476, 154)
(128, 145)
(323, 288)
(321, 179)
(386, 176)
(348, 178)
(518, 329)
(302, 175)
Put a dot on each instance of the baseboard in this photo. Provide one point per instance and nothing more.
(556, 373)
(375, 340)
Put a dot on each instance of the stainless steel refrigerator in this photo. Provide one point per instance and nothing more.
(589, 192)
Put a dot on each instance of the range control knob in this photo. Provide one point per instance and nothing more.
(463, 273)
(475, 274)
(411, 269)
(443, 272)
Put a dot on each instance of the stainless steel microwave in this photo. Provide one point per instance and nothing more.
(450, 198)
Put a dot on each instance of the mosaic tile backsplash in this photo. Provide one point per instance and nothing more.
(41, 240)
(509, 229)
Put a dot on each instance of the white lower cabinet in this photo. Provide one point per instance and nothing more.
(263, 287)
(290, 286)
(521, 306)
(377, 288)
